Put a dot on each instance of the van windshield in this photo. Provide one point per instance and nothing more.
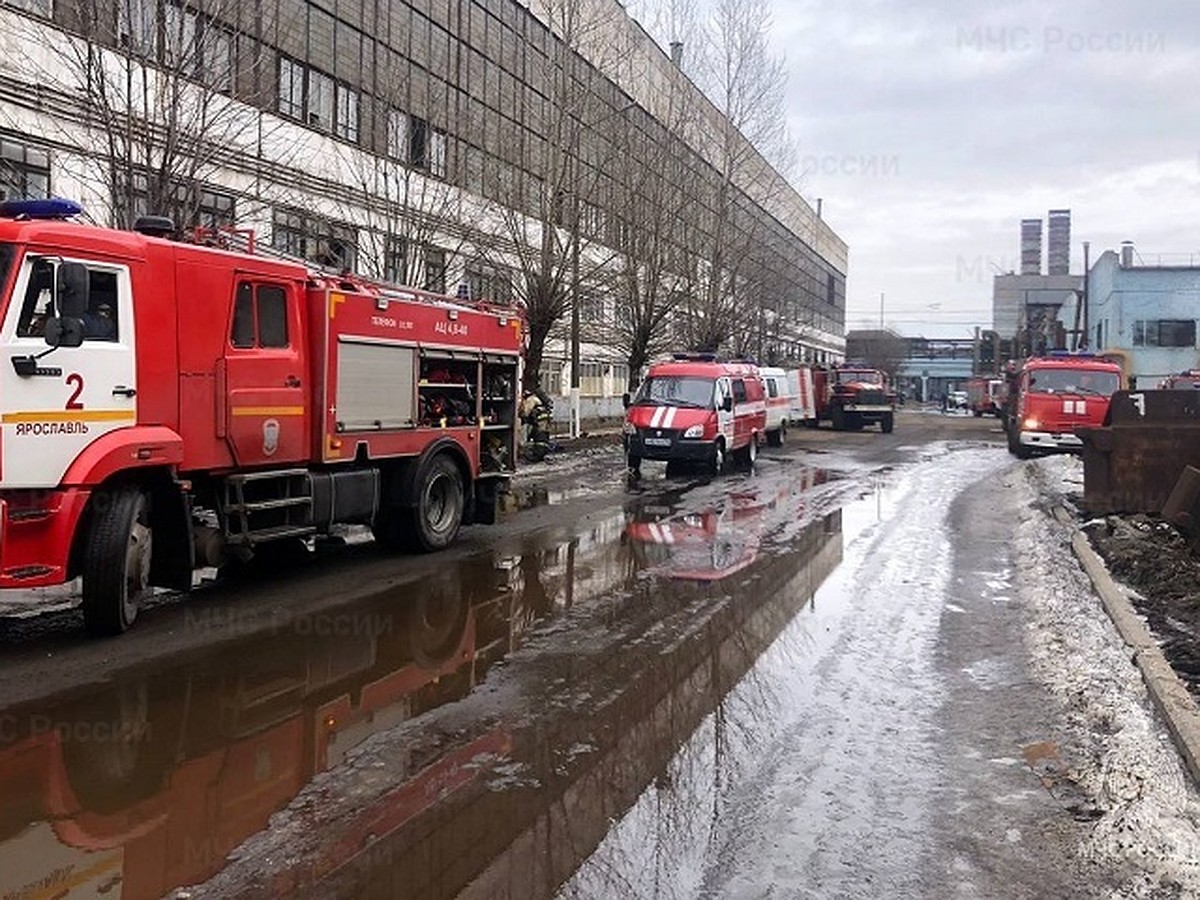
(1074, 381)
(675, 390)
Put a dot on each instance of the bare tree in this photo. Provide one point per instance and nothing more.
(404, 202)
(156, 88)
(745, 81)
(542, 231)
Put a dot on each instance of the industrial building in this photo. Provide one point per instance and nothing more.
(1027, 308)
(414, 141)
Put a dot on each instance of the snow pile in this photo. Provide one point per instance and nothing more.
(1150, 824)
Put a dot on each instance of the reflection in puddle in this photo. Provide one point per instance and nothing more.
(618, 640)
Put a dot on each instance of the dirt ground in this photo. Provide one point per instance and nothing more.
(1153, 558)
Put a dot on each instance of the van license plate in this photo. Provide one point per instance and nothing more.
(658, 442)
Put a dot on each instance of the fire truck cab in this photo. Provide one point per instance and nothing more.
(1057, 394)
(165, 406)
(696, 409)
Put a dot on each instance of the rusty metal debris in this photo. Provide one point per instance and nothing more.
(1131, 464)
(1182, 508)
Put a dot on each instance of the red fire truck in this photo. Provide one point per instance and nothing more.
(166, 406)
(850, 397)
(1055, 395)
(985, 396)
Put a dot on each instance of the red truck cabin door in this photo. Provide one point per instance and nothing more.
(267, 413)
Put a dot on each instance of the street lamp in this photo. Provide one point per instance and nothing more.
(575, 428)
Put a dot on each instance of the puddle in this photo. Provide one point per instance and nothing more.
(558, 672)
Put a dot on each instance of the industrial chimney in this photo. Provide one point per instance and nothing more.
(1058, 243)
(1031, 246)
(1126, 254)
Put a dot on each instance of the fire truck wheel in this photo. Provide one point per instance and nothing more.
(116, 560)
(634, 465)
(887, 423)
(838, 418)
(439, 508)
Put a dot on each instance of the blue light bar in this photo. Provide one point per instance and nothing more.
(50, 208)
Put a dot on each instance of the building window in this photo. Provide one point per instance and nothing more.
(486, 282)
(329, 244)
(318, 106)
(417, 149)
(435, 270)
(395, 264)
(1164, 333)
(397, 134)
(591, 379)
(185, 204)
(591, 309)
(43, 8)
(24, 172)
(137, 24)
(317, 100)
(347, 114)
(291, 89)
(550, 377)
(437, 153)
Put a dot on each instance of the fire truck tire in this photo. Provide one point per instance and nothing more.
(778, 437)
(438, 512)
(887, 423)
(116, 560)
(634, 465)
(838, 419)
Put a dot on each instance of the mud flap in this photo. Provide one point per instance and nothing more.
(174, 555)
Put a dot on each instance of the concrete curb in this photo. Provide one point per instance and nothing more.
(1173, 701)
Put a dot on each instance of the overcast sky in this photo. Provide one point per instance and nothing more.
(930, 128)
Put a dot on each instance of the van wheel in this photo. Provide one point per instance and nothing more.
(116, 561)
(747, 456)
(716, 461)
(887, 422)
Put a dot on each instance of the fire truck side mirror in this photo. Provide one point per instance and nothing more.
(727, 403)
(71, 287)
(64, 332)
(71, 296)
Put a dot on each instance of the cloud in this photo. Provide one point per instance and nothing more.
(930, 128)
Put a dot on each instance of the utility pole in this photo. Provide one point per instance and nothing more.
(1084, 344)
(881, 314)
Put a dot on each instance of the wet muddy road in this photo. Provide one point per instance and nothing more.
(809, 680)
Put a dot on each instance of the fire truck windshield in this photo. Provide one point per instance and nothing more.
(676, 390)
(1074, 381)
(859, 376)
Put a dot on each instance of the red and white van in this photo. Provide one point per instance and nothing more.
(779, 403)
(696, 409)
